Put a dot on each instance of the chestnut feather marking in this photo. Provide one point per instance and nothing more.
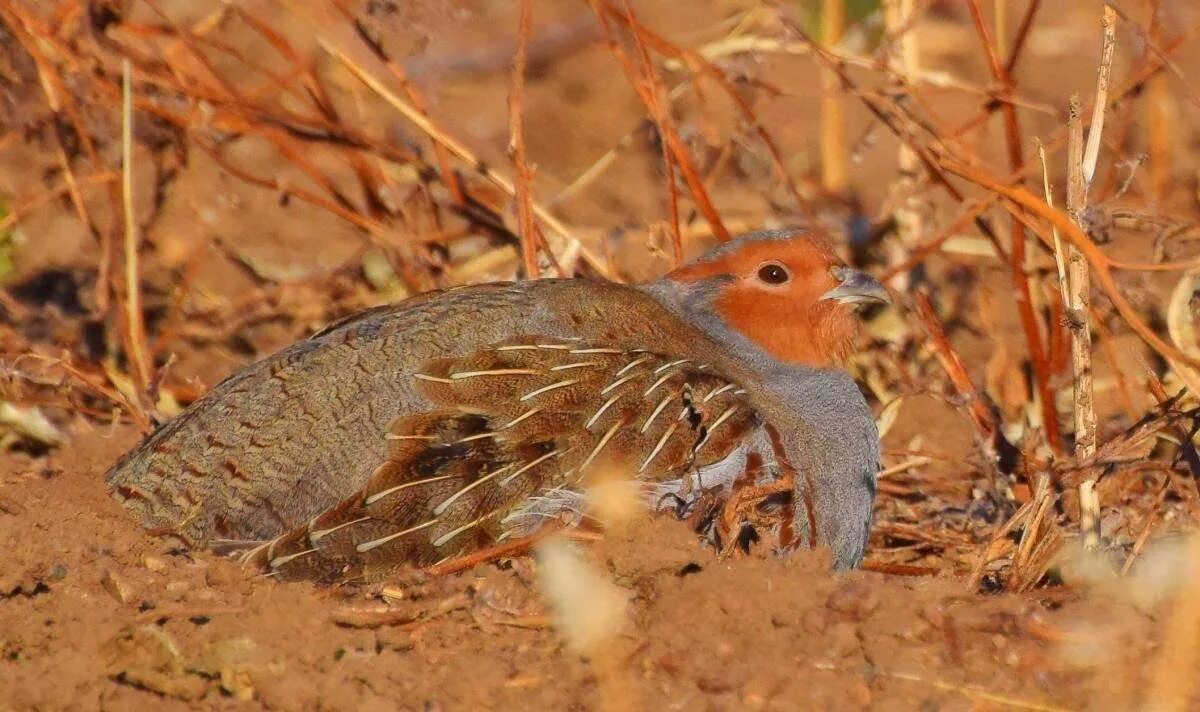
(659, 446)
(372, 499)
(608, 435)
(460, 375)
(376, 543)
(655, 413)
(617, 383)
(315, 536)
(600, 411)
(438, 510)
(725, 415)
(546, 389)
(528, 466)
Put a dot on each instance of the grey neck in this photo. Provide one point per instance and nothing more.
(830, 429)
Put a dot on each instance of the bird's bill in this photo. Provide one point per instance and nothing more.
(856, 288)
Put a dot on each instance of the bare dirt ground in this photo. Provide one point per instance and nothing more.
(262, 216)
(97, 615)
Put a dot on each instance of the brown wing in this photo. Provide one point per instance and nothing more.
(511, 423)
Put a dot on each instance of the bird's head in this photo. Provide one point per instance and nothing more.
(784, 291)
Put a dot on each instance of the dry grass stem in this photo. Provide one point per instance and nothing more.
(1081, 166)
(136, 349)
(589, 611)
(1091, 155)
(1017, 260)
(526, 229)
(642, 78)
(913, 208)
(833, 128)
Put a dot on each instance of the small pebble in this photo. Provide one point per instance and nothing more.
(117, 587)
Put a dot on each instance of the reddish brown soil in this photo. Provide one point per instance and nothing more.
(95, 614)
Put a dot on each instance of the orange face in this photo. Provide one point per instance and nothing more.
(791, 296)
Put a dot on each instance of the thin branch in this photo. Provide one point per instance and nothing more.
(833, 123)
(135, 327)
(644, 85)
(1076, 299)
(1092, 154)
(1025, 308)
(516, 145)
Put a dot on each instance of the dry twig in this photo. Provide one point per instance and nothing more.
(516, 145)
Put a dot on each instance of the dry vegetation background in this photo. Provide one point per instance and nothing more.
(188, 185)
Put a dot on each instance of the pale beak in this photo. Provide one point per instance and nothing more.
(856, 287)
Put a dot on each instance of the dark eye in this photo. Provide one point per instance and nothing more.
(773, 273)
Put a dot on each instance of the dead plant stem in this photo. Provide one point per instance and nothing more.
(1017, 261)
(912, 206)
(1081, 167)
(526, 230)
(135, 327)
(833, 126)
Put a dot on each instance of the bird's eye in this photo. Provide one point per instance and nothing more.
(773, 273)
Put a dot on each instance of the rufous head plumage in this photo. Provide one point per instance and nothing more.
(787, 292)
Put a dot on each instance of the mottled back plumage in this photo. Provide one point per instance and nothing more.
(418, 432)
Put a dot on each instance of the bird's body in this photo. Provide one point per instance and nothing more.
(424, 430)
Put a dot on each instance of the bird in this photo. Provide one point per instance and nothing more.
(410, 434)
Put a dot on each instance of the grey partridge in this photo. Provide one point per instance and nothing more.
(456, 420)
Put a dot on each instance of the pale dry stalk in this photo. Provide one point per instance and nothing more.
(1081, 167)
(1043, 493)
(1076, 301)
(135, 327)
(1092, 155)
(833, 126)
(516, 145)
(912, 206)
